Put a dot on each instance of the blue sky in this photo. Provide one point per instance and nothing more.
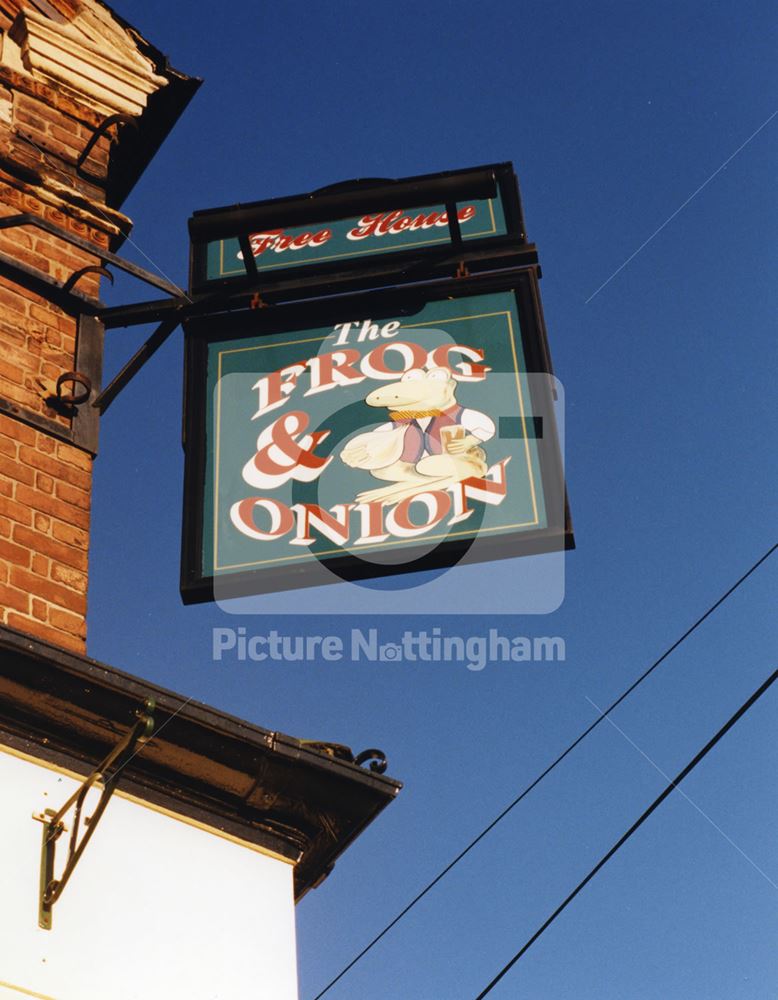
(613, 115)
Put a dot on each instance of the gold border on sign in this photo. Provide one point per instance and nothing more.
(379, 545)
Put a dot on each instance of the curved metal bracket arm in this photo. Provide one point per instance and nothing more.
(107, 773)
(376, 758)
(76, 276)
(102, 128)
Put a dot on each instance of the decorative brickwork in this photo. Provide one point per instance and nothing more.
(60, 77)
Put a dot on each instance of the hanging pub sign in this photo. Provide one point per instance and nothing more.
(348, 228)
(376, 433)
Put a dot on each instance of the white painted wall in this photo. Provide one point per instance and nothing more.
(157, 908)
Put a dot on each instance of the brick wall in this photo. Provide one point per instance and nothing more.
(44, 534)
(45, 483)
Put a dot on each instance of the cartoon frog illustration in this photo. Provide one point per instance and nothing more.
(429, 442)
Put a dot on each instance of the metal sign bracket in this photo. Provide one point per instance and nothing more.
(83, 405)
(107, 773)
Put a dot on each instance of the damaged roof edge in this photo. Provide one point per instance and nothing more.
(137, 147)
(264, 787)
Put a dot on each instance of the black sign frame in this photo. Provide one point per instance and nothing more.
(199, 332)
(340, 201)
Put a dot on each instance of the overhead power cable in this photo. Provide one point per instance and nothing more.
(638, 823)
(536, 781)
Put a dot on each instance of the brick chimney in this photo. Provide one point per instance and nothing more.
(65, 67)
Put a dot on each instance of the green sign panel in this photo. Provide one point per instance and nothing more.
(372, 233)
(367, 441)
